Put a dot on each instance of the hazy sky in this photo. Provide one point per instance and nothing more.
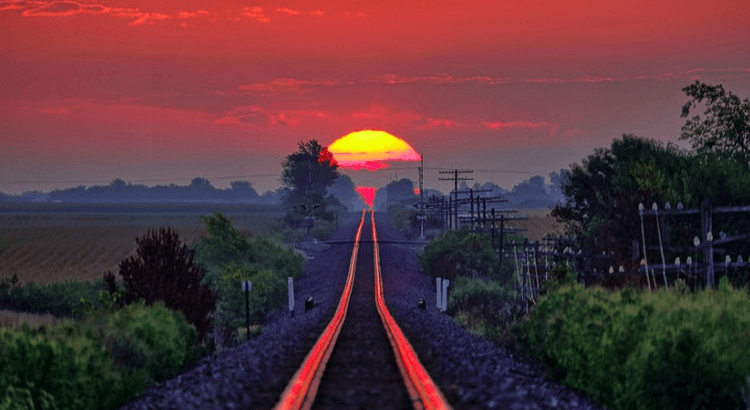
(163, 91)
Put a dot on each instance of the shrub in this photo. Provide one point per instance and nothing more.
(154, 338)
(486, 307)
(268, 292)
(230, 257)
(100, 363)
(462, 253)
(163, 270)
(632, 350)
(59, 299)
(64, 367)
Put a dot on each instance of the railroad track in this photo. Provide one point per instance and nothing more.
(362, 359)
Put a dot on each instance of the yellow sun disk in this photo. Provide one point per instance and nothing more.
(371, 145)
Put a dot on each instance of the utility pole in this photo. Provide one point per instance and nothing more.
(422, 216)
(455, 180)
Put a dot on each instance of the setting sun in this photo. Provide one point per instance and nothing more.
(370, 149)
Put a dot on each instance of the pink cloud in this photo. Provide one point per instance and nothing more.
(126, 12)
(284, 85)
(376, 116)
(191, 14)
(513, 124)
(287, 11)
(317, 13)
(255, 116)
(66, 8)
(498, 125)
(255, 13)
(148, 17)
(439, 123)
(288, 84)
(60, 9)
(296, 85)
(10, 5)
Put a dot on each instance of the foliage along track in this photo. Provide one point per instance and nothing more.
(358, 363)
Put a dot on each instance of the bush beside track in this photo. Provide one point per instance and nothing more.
(636, 350)
(627, 349)
(100, 363)
(482, 296)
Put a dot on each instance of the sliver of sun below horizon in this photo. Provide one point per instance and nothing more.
(370, 150)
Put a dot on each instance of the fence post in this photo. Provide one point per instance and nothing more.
(290, 284)
(444, 303)
(247, 286)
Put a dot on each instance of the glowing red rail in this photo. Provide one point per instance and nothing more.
(423, 391)
(301, 390)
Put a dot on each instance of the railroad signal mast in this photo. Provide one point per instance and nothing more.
(455, 179)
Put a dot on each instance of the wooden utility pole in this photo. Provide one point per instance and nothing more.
(455, 180)
(707, 235)
(421, 215)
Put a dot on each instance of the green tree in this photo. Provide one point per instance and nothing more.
(725, 127)
(603, 192)
(231, 257)
(306, 175)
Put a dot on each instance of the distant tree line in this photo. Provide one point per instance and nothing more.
(199, 190)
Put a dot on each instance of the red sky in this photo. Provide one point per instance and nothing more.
(163, 91)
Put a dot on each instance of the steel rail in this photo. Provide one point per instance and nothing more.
(423, 391)
(302, 388)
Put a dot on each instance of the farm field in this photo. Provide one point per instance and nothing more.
(539, 223)
(46, 243)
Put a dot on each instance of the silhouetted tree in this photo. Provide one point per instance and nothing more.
(307, 173)
(163, 269)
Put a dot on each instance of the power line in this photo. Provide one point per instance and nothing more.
(500, 171)
(137, 180)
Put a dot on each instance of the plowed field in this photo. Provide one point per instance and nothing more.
(46, 247)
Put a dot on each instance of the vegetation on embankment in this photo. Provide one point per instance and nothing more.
(481, 296)
(143, 328)
(632, 349)
(627, 349)
(98, 363)
(230, 258)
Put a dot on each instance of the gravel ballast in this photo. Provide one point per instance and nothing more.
(472, 372)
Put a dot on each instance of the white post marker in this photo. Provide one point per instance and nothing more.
(438, 297)
(247, 286)
(444, 306)
(290, 283)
